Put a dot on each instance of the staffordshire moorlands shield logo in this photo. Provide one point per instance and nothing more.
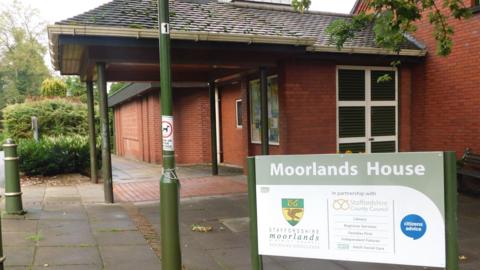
(292, 210)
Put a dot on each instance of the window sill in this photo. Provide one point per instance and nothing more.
(270, 143)
(475, 9)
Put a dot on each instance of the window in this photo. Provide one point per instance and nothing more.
(273, 111)
(367, 110)
(238, 113)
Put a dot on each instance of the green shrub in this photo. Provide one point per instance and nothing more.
(56, 117)
(55, 155)
(53, 88)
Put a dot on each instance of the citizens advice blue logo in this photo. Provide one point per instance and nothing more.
(413, 226)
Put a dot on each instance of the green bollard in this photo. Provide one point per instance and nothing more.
(13, 194)
(2, 257)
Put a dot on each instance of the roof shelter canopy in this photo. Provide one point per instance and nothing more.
(210, 39)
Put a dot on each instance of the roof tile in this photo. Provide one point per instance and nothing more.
(216, 17)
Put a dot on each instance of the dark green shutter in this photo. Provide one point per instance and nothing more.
(351, 85)
(351, 122)
(383, 147)
(383, 121)
(353, 147)
(385, 90)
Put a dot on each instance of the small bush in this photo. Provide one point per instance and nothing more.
(56, 117)
(53, 88)
(55, 155)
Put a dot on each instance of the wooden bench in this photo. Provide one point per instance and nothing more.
(469, 166)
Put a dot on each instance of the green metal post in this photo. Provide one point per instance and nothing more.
(2, 257)
(451, 203)
(256, 259)
(13, 193)
(213, 127)
(264, 110)
(106, 154)
(91, 133)
(169, 183)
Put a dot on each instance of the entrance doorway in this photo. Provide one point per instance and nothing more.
(367, 109)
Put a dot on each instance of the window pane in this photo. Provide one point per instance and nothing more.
(351, 85)
(384, 90)
(383, 147)
(352, 147)
(255, 110)
(351, 122)
(239, 118)
(273, 110)
(383, 121)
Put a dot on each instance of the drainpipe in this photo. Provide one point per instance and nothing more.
(217, 116)
(212, 92)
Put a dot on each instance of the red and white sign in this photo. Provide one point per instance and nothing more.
(167, 133)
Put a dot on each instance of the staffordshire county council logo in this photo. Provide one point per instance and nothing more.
(341, 204)
(292, 210)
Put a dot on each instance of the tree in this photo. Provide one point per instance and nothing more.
(53, 88)
(22, 67)
(393, 19)
(115, 87)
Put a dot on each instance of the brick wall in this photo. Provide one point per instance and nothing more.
(130, 124)
(446, 91)
(192, 126)
(138, 127)
(233, 144)
(445, 95)
(309, 107)
(307, 104)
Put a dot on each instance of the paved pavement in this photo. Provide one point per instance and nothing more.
(68, 227)
(136, 181)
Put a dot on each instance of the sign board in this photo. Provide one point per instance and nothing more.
(382, 208)
(167, 133)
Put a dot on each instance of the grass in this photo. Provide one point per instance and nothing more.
(35, 237)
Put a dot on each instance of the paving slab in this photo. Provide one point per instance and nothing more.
(16, 225)
(68, 267)
(129, 257)
(112, 225)
(18, 239)
(67, 256)
(119, 238)
(19, 256)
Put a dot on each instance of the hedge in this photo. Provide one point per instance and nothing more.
(55, 155)
(56, 117)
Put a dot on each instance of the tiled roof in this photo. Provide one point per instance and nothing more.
(217, 17)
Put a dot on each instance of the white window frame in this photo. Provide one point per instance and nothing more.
(250, 107)
(239, 125)
(367, 104)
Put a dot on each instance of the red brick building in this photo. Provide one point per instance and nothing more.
(320, 99)
(445, 97)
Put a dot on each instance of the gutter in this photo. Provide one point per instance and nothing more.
(54, 31)
(365, 50)
(84, 30)
(357, 2)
